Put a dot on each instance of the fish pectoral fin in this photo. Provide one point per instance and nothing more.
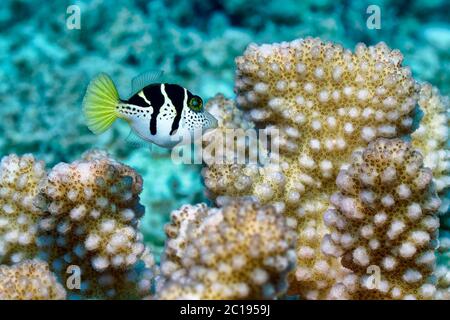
(144, 79)
(137, 142)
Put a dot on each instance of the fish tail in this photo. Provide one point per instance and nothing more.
(100, 103)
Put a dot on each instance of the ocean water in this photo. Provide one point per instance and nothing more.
(50, 50)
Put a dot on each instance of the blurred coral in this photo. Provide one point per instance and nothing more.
(29, 280)
(431, 139)
(238, 251)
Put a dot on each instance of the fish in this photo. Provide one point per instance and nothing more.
(158, 113)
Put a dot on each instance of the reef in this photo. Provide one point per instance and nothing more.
(326, 103)
(442, 272)
(384, 216)
(29, 280)
(166, 187)
(431, 139)
(82, 216)
(238, 251)
(19, 181)
(90, 219)
(45, 68)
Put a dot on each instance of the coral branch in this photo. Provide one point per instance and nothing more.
(385, 216)
(19, 180)
(29, 280)
(240, 251)
(91, 218)
(431, 139)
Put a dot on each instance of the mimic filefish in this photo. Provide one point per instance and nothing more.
(160, 113)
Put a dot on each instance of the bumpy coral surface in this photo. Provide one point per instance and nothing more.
(239, 251)
(19, 179)
(326, 103)
(431, 139)
(91, 218)
(29, 280)
(385, 217)
(442, 272)
(166, 187)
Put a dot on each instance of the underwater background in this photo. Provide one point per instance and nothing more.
(45, 68)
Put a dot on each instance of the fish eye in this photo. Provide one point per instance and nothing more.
(196, 104)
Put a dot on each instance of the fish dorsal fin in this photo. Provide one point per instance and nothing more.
(144, 79)
(137, 142)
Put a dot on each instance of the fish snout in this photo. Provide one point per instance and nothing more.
(211, 122)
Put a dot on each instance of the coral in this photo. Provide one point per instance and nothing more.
(19, 180)
(326, 103)
(91, 219)
(431, 139)
(239, 251)
(45, 67)
(29, 280)
(442, 272)
(385, 216)
(166, 186)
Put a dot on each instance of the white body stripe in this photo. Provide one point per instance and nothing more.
(142, 95)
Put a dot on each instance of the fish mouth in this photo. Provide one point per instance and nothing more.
(212, 121)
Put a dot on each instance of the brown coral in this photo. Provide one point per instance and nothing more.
(385, 216)
(431, 139)
(29, 280)
(19, 179)
(239, 251)
(91, 218)
(326, 103)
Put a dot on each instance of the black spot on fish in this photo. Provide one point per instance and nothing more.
(176, 95)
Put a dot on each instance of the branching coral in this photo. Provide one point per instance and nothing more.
(385, 216)
(326, 103)
(431, 139)
(45, 67)
(176, 185)
(443, 266)
(442, 271)
(91, 218)
(29, 280)
(240, 251)
(19, 179)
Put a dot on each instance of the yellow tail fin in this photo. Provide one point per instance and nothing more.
(99, 103)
